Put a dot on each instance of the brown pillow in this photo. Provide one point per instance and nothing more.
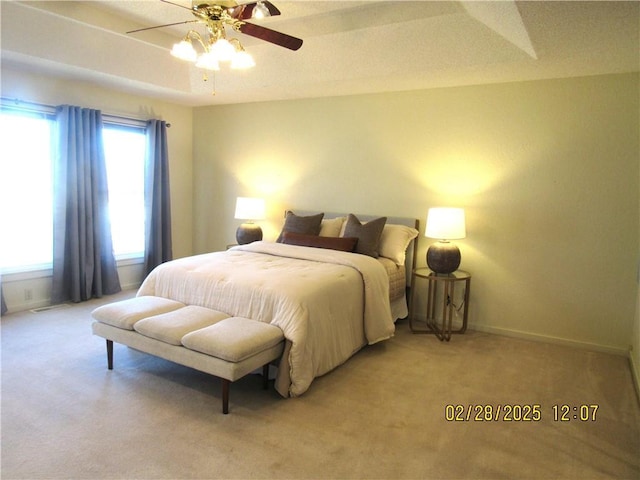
(306, 225)
(368, 234)
(343, 244)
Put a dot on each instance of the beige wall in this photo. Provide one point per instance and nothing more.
(548, 172)
(52, 91)
(634, 355)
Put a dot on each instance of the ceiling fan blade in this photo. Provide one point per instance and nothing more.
(160, 26)
(268, 35)
(245, 11)
(176, 4)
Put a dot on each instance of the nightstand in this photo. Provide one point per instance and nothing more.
(440, 293)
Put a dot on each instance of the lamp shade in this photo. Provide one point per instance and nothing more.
(249, 208)
(445, 223)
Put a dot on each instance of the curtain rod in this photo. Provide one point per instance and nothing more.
(52, 108)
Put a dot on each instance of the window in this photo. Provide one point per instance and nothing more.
(124, 149)
(26, 195)
(26, 189)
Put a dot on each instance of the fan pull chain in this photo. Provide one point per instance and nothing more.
(205, 78)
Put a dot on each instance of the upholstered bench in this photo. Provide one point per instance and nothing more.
(197, 337)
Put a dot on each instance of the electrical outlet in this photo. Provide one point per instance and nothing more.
(28, 294)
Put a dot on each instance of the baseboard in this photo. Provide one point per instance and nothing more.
(635, 373)
(41, 303)
(554, 340)
(30, 305)
(130, 286)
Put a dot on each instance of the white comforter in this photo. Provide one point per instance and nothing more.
(329, 304)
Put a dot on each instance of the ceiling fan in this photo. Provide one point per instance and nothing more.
(216, 48)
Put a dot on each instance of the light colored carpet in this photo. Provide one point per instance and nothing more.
(381, 415)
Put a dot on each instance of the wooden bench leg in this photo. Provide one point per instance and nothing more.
(110, 354)
(265, 376)
(225, 395)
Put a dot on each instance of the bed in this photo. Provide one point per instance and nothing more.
(329, 298)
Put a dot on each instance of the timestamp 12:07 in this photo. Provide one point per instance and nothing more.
(582, 413)
(519, 412)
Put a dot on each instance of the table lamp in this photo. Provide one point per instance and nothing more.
(249, 209)
(445, 224)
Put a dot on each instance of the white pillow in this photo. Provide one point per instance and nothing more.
(394, 242)
(331, 227)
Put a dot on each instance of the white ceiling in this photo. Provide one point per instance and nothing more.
(350, 47)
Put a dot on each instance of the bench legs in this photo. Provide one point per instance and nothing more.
(265, 376)
(110, 354)
(225, 395)
(225, 383)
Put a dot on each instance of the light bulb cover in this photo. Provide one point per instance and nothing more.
(223, 50)
(260, 11)
(242, 60)
(208, 61)
(184, 51)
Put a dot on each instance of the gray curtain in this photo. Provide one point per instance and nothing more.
(158, 246)
(83, 262)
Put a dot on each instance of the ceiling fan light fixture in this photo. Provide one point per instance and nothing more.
(215, 46)
(260, 11)
(208, 61)
(184, 51)
(242, 60)
(223, 50)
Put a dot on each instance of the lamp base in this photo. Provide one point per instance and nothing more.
(443, 257)
(247, 233)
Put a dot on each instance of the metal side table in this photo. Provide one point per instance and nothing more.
(446, 284)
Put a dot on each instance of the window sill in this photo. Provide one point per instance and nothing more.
(125, 260)
(26, 273)
(45, 270)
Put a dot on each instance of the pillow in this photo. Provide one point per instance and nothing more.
(331, 227)
(368, 234)
(344, 244)
(307, 225)
(394, 242)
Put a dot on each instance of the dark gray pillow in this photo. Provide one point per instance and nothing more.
(368, 234)
(306, 225)
(343, 244)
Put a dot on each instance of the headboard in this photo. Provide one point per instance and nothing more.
(412, 249)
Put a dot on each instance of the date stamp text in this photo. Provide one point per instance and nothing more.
(520, 413)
